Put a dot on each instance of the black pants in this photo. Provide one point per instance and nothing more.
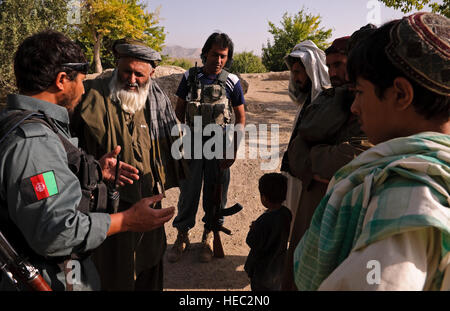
(126, 254)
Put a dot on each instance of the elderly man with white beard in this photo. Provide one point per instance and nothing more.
(129, 109)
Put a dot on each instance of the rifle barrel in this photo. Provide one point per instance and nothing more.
(116, 177)
(7, 252)
(20, 269)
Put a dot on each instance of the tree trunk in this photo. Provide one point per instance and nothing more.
(97, 61)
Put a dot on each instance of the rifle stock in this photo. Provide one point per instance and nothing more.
(217, 245)
(218, 214)
(217, 242)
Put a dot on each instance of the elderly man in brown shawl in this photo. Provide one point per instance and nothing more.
(129, 109)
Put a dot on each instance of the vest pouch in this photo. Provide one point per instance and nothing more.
(85, 203)
(94, 191)
(207, 114)
(212, 93)
(218, 110)
(222, 113)
(193, 109)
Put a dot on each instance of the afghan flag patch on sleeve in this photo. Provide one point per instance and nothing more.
(39, 187)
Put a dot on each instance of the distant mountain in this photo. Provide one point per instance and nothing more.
(177, 51)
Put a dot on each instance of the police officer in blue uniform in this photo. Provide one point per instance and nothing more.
(43, 205)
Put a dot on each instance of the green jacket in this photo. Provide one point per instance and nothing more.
(101, 125)
(328, 136)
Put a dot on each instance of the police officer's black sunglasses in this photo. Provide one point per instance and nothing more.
(80, 67)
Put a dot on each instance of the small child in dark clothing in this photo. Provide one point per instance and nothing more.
(268, 236)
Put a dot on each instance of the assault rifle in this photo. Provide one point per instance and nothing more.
(195, 86)
(113, 192)
(218, 213)
(19, 270)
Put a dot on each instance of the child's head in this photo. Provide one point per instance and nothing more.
(273, 187)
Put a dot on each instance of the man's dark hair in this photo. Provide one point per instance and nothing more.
(221, 39)
(369, 61)
(360, 35)
(38, 60)
(274, 187)
(339, 46)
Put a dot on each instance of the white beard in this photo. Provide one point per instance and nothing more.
(130, 101)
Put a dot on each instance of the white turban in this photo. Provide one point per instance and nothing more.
(313, 59)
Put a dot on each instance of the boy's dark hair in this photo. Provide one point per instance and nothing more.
(274, 187)
(369, 61)
(38, 60)
(222, 40)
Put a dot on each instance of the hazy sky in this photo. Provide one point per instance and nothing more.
(188, 23)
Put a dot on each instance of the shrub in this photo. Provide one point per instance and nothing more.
(294, 29)
(180, 62)
(247, 62)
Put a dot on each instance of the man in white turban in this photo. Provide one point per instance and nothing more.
(309, 77)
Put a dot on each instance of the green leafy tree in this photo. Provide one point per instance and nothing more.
(294, 29)
(406, 6)
(18, 20)
(104, 21)
(247, 62)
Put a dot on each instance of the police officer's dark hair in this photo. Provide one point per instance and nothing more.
(274, 187)
(368, 60)
(222, 40)
(38, 60)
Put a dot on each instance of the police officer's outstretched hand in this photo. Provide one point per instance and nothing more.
(141, 217)
(127, 173)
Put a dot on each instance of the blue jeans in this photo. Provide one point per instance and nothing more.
(206, 172)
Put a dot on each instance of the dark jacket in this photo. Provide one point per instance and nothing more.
(267, 239)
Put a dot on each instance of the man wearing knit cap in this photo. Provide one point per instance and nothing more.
(129, 109)
(336, 58)
(328, 136)
(384, 223)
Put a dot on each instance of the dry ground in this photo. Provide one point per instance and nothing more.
(268, 103)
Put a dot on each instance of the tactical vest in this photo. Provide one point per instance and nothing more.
(209, 102)
(88, 171)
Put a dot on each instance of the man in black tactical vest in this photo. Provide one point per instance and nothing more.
(52, 198)
(208, 97)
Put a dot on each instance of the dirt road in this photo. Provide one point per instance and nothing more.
(268, 103)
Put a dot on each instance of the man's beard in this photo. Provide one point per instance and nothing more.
(336, 81)
(130, 101)
(306, 87)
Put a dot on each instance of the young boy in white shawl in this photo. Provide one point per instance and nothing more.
(384, 223)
